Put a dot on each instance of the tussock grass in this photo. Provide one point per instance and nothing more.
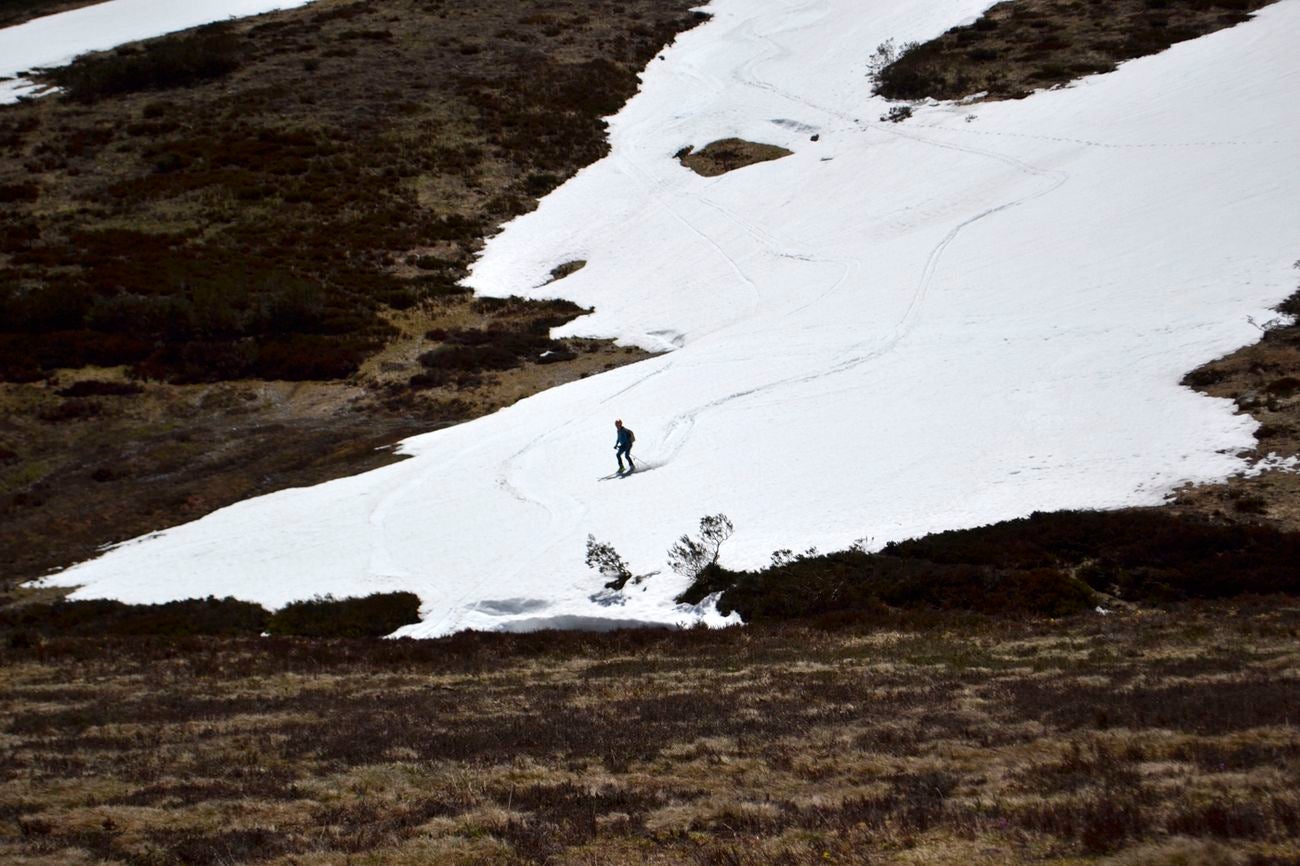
(1155, 737)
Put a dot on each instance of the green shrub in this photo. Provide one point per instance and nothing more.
(372, 616)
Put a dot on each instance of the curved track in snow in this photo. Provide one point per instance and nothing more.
(901, 328)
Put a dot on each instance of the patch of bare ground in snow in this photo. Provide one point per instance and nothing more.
(1020, 46)
(1144, 737)
(727, 154)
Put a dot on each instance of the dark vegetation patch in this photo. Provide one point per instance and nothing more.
(209, 52)
(1202, 708)
(1263, 379)
(777, 743)
(17, 11)
(493, 348)
(209, 616)
(1017, 47)
(727, 154)
(372, 616)
(1046, 564)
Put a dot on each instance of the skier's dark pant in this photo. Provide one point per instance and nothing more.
(625, 452)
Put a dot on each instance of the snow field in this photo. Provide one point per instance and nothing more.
(900, 329)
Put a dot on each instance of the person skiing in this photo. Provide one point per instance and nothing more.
(623, 447)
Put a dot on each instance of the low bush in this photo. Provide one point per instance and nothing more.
(207, 616)
(1046, 564)
(859, 581)
(372, 616)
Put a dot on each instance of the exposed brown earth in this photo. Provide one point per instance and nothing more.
(1146, 737)
(728, 154)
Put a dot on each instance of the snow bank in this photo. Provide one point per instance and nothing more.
(900, 329)
(56, 39)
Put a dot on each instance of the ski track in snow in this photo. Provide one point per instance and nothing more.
(902, 328)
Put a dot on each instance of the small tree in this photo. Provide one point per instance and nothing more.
(689, 556)
(885, 54)
(605, 559)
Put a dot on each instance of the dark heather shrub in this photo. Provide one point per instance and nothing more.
(372, 616)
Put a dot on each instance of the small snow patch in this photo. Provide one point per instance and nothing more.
(1272, 463)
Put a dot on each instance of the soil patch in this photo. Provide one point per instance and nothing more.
(728, 154)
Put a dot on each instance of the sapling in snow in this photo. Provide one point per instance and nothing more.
(605, 559)
(689, 556)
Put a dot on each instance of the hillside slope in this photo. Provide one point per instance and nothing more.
(899, 329)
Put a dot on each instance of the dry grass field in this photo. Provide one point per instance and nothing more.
(1154, 737)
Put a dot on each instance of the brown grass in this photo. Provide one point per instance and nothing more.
(1143, 738)
(728, 154)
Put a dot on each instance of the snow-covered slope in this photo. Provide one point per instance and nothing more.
(901, 328)
(55, 39)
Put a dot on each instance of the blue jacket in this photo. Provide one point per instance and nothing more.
(625, 438)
